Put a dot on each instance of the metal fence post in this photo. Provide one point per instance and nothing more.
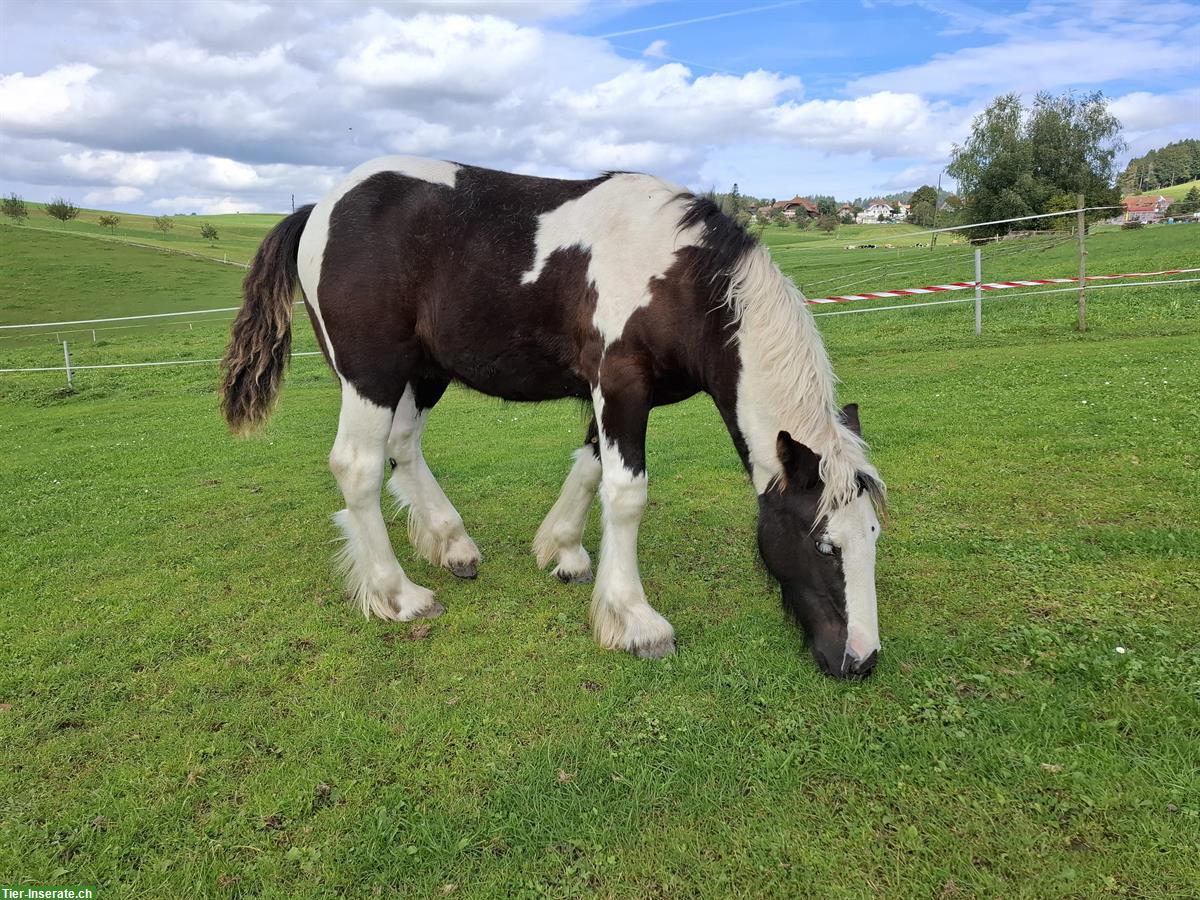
(1081, 227)
(67, 357)
(978, 291)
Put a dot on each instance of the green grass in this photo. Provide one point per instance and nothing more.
(822, 266)
(191, 709)
(56, 276)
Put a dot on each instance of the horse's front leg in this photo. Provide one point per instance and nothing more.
(560, 536)
(620, 616)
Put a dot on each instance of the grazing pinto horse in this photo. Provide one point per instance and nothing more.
(624, 291)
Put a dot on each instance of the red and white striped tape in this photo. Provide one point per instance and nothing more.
(987, 286)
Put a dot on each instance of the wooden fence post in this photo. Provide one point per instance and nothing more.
(67, 357)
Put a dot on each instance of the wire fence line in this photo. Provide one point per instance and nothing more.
(928, 264)
(134, 365)
(961, 257)
(1021, 247)
(1006, 296)
(62, 331)
(934, 267)
(839, 312)
(1030, 243)
(166, 315)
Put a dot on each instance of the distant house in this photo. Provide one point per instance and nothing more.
(845, 210)
(1145, 209)
(796, 206)
(876, 211)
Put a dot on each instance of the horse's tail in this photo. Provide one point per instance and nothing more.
(261, 338)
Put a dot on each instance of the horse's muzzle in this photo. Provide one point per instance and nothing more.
(845, 665)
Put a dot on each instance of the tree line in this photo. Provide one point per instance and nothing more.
(1026, 159)
(1176, 163)
(15, 208)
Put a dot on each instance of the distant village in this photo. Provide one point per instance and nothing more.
(1148, 209)
(879, 210)
(1144, 210)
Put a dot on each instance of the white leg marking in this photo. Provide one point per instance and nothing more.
(374, 579)
(434, 526)
(560, 536)
(621, 617)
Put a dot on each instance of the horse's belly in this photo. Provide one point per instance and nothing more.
(516, 372)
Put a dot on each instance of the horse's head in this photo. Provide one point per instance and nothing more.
(825, 567)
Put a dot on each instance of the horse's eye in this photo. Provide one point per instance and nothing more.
(825, 548)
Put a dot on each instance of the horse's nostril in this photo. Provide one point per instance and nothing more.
(867, 666)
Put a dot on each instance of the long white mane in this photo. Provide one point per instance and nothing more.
(787, 383)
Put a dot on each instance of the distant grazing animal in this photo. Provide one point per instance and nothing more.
(623, 291)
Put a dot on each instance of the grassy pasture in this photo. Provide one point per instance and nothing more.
(238, 234)
(188, 708)
(1175, 191)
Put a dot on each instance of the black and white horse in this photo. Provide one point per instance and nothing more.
(623, 291)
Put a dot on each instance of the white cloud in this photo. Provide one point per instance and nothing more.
(446, 54)
(40, 101)
(885, 124)
(230, 174)
(218, 105)
(667, 102)
(1141, 110)
(112, 167)
(176, 57)
(1070, 57)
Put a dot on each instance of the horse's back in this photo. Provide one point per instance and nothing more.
(512, 283)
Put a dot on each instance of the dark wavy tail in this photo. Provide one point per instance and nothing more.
(260, 342)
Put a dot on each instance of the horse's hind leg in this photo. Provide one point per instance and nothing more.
(560, 536)
(373, 575)
(434, 526)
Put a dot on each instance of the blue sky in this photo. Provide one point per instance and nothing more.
(220, 106)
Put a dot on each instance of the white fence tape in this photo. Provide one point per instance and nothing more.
(839, 312)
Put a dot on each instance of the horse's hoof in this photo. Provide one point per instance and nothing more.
(432, 611)
(584, 577)
(464, 570)
(657, 650)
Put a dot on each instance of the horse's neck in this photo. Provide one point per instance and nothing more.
(784, 381)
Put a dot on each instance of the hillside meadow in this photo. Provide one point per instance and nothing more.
(1176, 191)
(189, 708)
(238, 234)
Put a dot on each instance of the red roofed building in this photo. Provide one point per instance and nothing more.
(1145, 209)
(795, 206)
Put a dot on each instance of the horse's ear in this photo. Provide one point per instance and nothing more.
(849, 417)
(801, 467)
